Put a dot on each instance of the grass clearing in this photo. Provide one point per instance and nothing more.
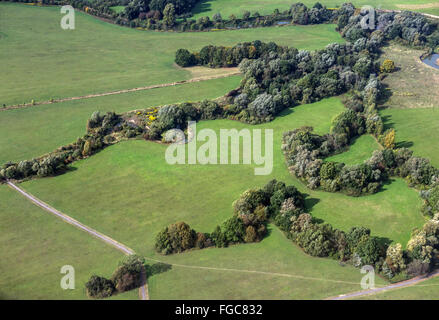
(416, 129)
(359, 151)
(35, 245)
(41, 61)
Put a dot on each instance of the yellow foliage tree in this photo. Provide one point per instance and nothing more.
(388, 66)
(389, 139)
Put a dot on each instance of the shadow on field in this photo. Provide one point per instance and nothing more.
(310, 202)
(157, 268)
(202, 6)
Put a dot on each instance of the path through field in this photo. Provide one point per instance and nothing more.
(232, 72)
(398, 285)
(143, 290)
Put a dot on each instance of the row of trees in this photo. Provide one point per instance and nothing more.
(102, 130)
(252, 210)
(156, 18)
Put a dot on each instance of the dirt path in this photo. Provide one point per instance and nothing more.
(155, 86)
(398, 285)
(143, 290)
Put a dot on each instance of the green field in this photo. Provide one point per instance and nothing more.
(41, 61)
(360, 150)
(31, 132)
(237, 7)
(416, 129)
(35, 245)
(128, 192)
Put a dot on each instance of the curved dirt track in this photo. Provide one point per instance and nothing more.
(143, 290)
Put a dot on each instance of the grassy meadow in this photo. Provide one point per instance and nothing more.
(129, 192)
(30, 132)
(35, 245)
(41, 61)
(237, 7)
(413, 105)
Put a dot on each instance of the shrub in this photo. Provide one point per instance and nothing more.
(184, 58)
(99, 287)
(175, 238)
(388, 66)
(129, 274)
(233, 230)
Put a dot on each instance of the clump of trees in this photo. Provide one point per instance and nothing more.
(254, 208)
(305, 152)
(127, 276)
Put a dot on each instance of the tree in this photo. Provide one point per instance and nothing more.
(129, 273)
(388, 66)
(99, 287)
(263, 106)
(184, 58)
(217, 17)
(169, 15)
(389, 139)
(395, 257)
(175, 238)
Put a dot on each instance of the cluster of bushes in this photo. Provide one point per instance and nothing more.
(275, 201)
(421, 254)
(305, 152)
(126, 277)
(176, 116)
(278, 77)
(410, 27)
(219, 56)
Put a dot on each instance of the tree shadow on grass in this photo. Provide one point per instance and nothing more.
(386, 94)
(404, 144)
(310, 202)
(202, 6)
(157, 268)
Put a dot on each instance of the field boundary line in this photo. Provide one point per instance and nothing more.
(143, 290)
(95, 95)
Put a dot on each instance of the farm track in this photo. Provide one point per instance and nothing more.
(397, 285)
(155, 86)
(143, 290)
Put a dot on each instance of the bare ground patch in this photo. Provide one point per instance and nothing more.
(414, 84)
